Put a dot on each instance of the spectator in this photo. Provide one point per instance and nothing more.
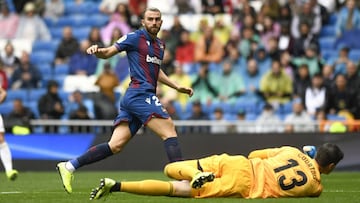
(184, 7)
(288, 66)
(202, 26)
(328, 75)
(352, 76)
(273, 49)
(312, 59)
(170, 41)
(285, 16)
(348, 18)
(228, 84)
(109, 6)
(81, 113)
(176, 28)
(319, 10)
(10, 61)
(197, 113)
(262, 58)
(286, 40)
(301, 82)
(221, 30)
(8, 22)
(330, 5)
(321, 119)
(212, 7)
(67, 47)
(342, 60)
(107, 81)
(247, 127)
(54, 9)
(50, 105)
(252, 79)
(270, 8)
(82, 63)
(209, 48)
(26, 75)
(76, 100)
(3, 78)
(248, 37)
(341, 98)
(276, 86)
(306, 16)
(219, 117)
(303, 41)
(201, 83)
(116, 34)
(315, 95)
(298, 120)
(31, 26)
(268, 121)
(119, 19)
(270, 29)
(181, 79)
(184, 53)
(95, 37)
(19, 117)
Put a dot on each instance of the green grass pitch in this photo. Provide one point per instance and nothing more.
(38, 187)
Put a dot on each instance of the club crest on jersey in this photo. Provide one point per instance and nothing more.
(153, 59)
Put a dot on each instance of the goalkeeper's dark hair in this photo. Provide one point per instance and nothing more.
(328, 153)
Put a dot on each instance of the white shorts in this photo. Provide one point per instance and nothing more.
(2, 128)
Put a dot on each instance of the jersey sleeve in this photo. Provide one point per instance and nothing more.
(127, 42)
(264, 153)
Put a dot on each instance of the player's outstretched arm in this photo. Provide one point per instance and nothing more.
(3, 94)
(163, 78)
(103, 53)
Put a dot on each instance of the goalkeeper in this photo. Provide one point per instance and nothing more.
(267, 173)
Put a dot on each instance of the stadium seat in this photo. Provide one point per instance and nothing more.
(332, 19)
(286, 108)
(81, 33)
(98, 20)
(35, 94)
(248, 107)
(327, 31)
(17, 94)
(251, 117)
(86, 7)
(6, 108)
(45, 45)
(327, 43)
(33, 106)
(334, 117)
(354, 55)
(56, 32)
(45, 69)
(61, 69)
(75, 20)
(42, 57)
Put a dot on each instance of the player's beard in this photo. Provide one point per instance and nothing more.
(152, 30)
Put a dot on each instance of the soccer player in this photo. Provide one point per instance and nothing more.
(140, 105)
(267, 173)
(5, 153)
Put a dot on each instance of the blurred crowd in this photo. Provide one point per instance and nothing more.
(261, 61)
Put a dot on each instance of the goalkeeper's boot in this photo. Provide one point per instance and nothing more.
(12, 174)
(66, 176)
(201, 178)
(103, 190)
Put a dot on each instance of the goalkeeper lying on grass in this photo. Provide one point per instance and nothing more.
(267, 173)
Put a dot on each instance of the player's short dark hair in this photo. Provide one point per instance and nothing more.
(150, 9)
(327, 154)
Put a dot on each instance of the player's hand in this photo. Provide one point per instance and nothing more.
(92, 49)
(186, 90)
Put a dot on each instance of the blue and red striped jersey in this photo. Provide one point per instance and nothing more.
(145, 56)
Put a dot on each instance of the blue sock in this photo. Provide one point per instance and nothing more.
(172, 149)
(94, 154)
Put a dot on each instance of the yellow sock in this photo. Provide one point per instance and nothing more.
(148, 187)
(183, 170)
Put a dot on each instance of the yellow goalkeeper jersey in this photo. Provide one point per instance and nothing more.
(284, 172)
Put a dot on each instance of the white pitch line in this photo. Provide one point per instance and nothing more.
(345, 191)
(11, 192)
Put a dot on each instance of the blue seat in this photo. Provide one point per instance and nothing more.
(35, 94)
(17, 94)
(327, 43)
(286, 108)
(332, 19)
(86, 7)
(45, 69)
(327, 31)
(33, 106)
(334, 117)
(354, 55)
(98, 20)
(251, 117)
(61, 69)
(39, 57)
(81, 33)
(6, 108)
(75, 20)
(45, 45)
(56, 32)
(248, 107)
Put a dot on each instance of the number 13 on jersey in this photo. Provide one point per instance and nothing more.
(289, 177)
